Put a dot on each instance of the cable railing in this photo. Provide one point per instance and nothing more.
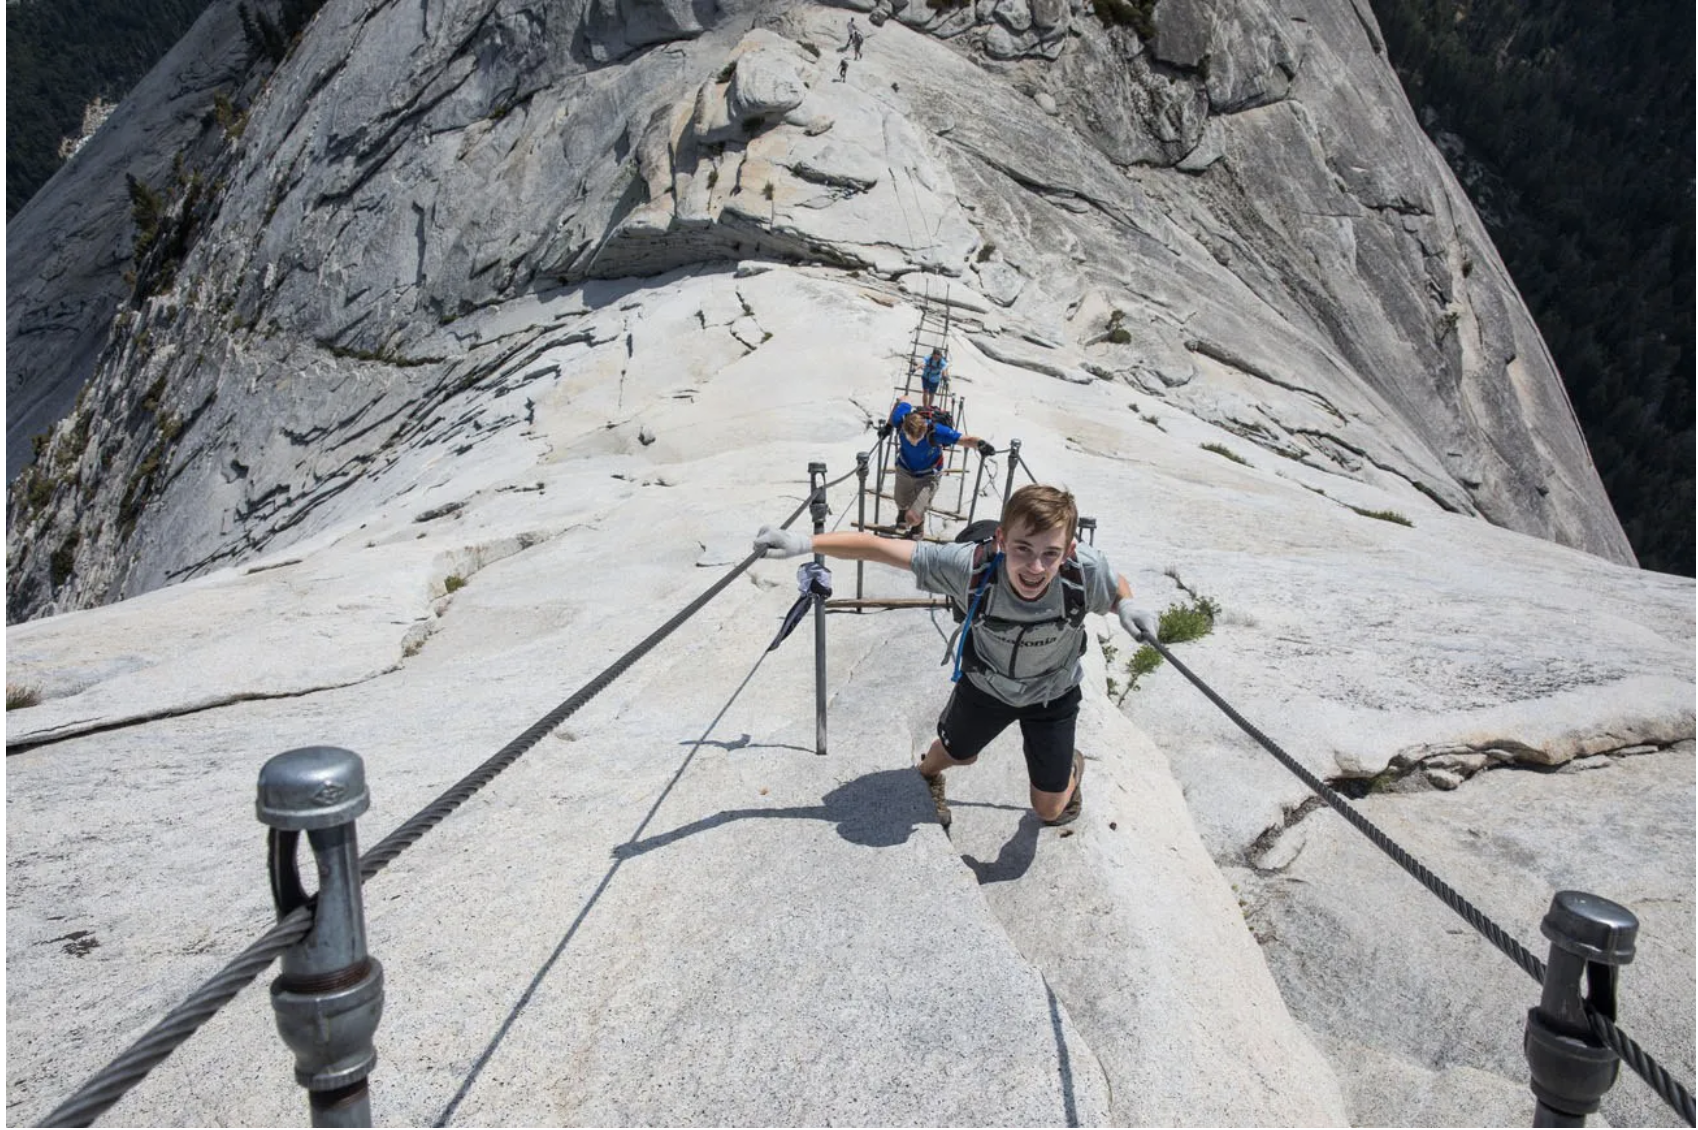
(298, 915)
(328, 997)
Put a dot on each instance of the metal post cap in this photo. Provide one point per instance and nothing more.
(313, 787)
(1087, 523)
(1594, 928)
(816, 468)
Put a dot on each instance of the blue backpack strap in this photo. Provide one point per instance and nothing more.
(979, 581)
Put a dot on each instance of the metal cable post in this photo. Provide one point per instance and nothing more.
(329, 996)
(1571, 1068)
(978, 484)
(816, 480)
(861, 516)
(961, 426)
(881, 452)
(1013, 462)
(1088, 530)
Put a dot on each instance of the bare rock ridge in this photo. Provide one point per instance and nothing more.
(476, 338)
(1237, 206)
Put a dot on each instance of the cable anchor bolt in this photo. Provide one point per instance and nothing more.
(328, 998)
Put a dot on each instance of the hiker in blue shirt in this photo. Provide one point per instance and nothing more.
(932, 376)
(919, 460)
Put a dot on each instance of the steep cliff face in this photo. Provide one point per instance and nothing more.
(1231, 208)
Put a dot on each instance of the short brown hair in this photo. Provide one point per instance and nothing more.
(914, 426)
(1041, 509)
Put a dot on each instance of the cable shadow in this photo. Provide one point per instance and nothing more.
(742, 741)
(1063, 1061)
(542, 973)
(880, 809)
(1016, 855)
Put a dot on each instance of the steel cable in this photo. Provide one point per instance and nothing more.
(1636, 1057)
(110, 1084)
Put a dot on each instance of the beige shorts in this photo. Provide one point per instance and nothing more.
(914, 494)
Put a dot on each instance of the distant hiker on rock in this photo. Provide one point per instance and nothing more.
(921, 437)
(843, 71)
(853, 37)
(1025, 595)
(931, 377)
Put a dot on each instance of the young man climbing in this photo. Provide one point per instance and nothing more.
(919, 460)
(931, 377)
(1021, 643)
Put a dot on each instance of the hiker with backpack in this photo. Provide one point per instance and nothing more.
(921, 437)
(932, 376)
(1024, 594)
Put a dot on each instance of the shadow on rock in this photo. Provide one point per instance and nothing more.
(880, 809)
(1015, 857)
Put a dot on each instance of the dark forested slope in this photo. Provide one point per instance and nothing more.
(1576, 123)
(60, 56)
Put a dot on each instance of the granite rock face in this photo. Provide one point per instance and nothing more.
(1246, 194)
(674, 893)
(497, 324)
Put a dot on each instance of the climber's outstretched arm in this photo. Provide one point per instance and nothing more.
(894, 552)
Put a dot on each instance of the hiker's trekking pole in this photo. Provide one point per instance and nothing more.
(816, 479)
(329, 996)
(1571, 1068)
(861, 516)
(1013, 462)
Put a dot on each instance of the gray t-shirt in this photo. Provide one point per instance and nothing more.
(1029, 651)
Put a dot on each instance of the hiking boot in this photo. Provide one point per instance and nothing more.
(1074, 802)
(934, 785)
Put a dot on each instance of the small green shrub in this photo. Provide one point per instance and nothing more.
(1384, 515)
(986, 251)
(1139, 15)
(713, 177)
(1226, 451)
(767, 191)
(18, 697)
(731, 69)
(40, 490)
(454, 582)
(1117, 331)
(64, 560)
(151, 398)
(230, 119)
(1182, 623)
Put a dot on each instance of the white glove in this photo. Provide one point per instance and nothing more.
(782, 543)
(1142, 623)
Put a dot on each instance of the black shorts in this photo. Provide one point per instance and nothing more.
(972, 720)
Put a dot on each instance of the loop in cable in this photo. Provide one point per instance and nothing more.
(111, 1083)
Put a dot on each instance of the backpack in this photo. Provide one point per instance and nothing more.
(983, 575)
(935, 417)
